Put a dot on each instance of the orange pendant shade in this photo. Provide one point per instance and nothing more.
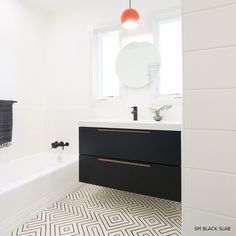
(130, 18)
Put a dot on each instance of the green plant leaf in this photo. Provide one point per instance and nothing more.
(160, 109)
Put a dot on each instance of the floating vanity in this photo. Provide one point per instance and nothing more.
(140, 157)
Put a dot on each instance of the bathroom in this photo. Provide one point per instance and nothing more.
(48, 53)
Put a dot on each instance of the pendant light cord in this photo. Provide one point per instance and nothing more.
(130, 4)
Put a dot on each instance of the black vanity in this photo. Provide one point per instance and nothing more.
(144, 161)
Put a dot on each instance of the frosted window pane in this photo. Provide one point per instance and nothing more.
(170, 41)
(108, 52)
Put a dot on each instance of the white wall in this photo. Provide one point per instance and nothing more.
(46, 65)
(21, 46)
(209, 176)
(68, 72)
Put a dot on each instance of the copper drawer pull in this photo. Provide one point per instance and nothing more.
(125, 162)
(125, 131)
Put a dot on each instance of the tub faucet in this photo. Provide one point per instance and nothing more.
(135, 113)
(59, 144)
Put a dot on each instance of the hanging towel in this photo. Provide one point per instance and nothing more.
(6, 123)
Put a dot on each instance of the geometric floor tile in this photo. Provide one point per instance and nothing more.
(99, 211)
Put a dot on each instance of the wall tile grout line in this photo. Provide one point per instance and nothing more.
(210, 171)
(213, 129)
(210, 89)
(187, 51)
(210, 212)
(186, 13)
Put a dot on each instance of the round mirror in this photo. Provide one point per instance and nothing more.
(137, 64)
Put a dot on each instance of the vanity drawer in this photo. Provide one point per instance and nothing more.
(149, 179)
(161, 147)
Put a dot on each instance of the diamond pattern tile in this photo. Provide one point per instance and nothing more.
(98, 211)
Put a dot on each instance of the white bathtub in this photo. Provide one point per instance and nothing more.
(30, 184)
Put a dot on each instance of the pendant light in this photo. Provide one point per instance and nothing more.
(130, 18)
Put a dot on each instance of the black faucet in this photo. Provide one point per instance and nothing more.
(135, 112)
(59, 144)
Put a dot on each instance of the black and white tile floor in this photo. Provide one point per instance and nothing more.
(98, 211)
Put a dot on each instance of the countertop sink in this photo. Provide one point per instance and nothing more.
(129, 124)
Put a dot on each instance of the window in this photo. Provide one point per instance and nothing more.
(107, 47)
(170, 46)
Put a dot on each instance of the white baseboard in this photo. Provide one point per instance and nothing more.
(8, 225)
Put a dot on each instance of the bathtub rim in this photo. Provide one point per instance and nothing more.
(31, 178)
(57, 191)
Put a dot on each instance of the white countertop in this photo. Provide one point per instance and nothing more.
(126, 124)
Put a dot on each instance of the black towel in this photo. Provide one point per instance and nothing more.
(5, 123)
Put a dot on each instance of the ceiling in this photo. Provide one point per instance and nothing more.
(55, 6)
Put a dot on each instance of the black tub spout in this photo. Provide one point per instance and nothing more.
(59, 144)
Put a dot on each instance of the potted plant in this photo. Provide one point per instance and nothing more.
(158, 110)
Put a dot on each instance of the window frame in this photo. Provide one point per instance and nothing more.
(95, 73)
(167, 15)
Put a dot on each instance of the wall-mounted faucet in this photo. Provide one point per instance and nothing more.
(135, 113)
(59, 144)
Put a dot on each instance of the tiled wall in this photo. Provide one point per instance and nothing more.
(209, 140)
(21, 62)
